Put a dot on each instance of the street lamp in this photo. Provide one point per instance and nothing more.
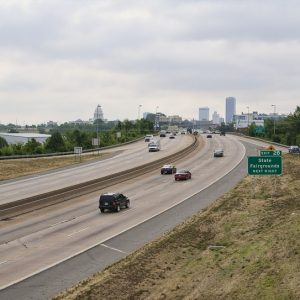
(156, 118)
(274, 115)
(248, 115)
(139, 111)
(97, 123)
(248, 120)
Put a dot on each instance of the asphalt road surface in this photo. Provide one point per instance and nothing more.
(128, 156)
(76, 240)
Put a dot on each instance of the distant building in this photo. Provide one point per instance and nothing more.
(245, 120)
(98, 114)
(175, 119)
(204, 125)
(203, 114)
(216, 118)
(51, 124)
(169, 119)
(23, 138)
(230, 109)
(145, 114)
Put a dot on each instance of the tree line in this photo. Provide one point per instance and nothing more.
(67, 136)
(283, 130)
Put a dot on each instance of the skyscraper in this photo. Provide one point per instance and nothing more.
(216, 118)
(203, 114)
(230, 109)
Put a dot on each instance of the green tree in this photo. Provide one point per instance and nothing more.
(55, 143)
(33, 147)
(3, 142)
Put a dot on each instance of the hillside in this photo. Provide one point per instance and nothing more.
(244, 246)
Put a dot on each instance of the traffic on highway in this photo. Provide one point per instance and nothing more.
(41, 239)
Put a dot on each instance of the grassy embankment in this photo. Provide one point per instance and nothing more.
(246, 245)
(14, 168)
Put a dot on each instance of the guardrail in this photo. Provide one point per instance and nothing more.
(25, 205)
(259, 139)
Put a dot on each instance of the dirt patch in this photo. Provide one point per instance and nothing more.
(14, 168)
(244, 246)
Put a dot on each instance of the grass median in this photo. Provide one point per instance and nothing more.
(14, 168)
(246, 245)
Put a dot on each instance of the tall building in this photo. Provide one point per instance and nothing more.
(230, 109)
(216, 118)
(98, 114)
(203, 114)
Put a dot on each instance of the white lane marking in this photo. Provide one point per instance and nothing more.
(61, 222)
(112, 248)
(3, 262)
(78, 231)
(51, 265)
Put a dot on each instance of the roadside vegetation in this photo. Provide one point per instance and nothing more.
(67, 136)
(14, 168)
(287, 130)
(246, 245)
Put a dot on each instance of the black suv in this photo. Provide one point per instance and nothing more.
(113, 201)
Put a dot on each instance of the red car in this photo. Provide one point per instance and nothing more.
(183, 175)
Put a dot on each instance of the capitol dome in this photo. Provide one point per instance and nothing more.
(98, 114)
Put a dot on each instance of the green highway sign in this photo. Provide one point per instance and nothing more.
(259, 129)
(270, 153)
(264, 165)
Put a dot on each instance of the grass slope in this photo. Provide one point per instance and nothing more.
(14, 168)
(258, 232)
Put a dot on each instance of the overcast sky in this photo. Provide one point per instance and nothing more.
(59, 59)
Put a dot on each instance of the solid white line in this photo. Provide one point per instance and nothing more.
(115, 249)
(75, 232)
(125, 229)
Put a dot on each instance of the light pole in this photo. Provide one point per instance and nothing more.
(97, 124)
(139, 111)
(274, 105)
(248, 117)
(156, 118)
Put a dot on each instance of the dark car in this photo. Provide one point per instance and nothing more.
(222, 133)
(113, 202)
(209, 136)
(294, 149)
(168, 169)
(183, 175)
(218, 153)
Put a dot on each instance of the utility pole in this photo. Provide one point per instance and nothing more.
(274, 116)
(156, 118)
(139, 111)
(248, 120)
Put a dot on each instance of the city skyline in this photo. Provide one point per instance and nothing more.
(60, 58)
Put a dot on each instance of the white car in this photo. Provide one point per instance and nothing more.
(148, 137)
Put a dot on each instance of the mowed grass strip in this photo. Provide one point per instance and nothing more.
(14, 168)
(246, 245)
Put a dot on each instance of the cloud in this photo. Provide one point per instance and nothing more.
(178, 55)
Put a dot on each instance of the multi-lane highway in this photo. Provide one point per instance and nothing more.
(36, 241)
(124, 157)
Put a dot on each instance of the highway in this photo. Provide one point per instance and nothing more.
(36, 241)
(124, 157)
